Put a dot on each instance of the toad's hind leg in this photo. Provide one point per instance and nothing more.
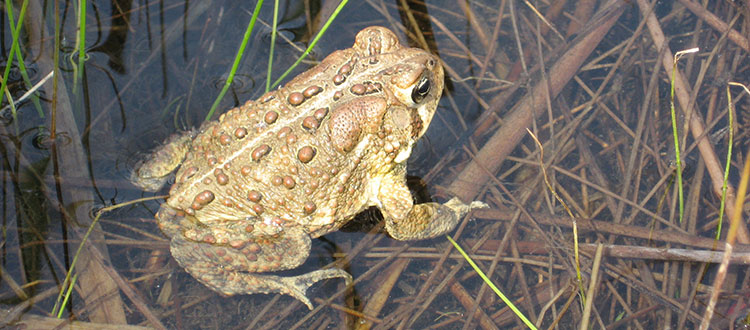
(231, 270)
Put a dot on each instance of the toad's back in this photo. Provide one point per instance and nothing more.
(305, 153)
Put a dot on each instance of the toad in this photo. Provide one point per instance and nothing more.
(254, 187)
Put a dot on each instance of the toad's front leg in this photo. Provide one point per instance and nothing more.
(151, 173)
(407, 221)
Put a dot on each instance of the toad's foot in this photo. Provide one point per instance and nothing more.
(297, 285)
(426, 220)
(460, 209)
(232, 283)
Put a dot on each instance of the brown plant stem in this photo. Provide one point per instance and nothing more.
(490, 157)
(587, 225)
(697, 128)
(71, 163)
(721, 274)
(383, 286)
(467, 300)
(716, 23)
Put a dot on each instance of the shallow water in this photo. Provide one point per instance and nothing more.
(155, 68)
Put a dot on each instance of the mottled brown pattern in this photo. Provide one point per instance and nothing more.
(255, 186)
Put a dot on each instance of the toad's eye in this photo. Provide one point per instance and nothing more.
(420, 90)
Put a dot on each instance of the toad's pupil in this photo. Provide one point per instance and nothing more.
(421, 90)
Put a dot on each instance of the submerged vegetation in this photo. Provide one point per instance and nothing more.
(615, 165)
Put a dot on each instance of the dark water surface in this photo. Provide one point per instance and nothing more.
(154, 68)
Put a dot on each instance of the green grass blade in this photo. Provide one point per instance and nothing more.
(13, 110)
(81, 42)
(273, 44)
(13, 46)
(20, 59)
(676, 135)
(67, 295)
(726, 167)
(237, 59)
(68, 282)
(491, 285)
(312, 43)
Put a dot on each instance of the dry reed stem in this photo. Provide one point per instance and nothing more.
(606, 227)
(70, 162)
(466, 186)
(30, 321)
(590, 292)
(721, 273)
(717, 23)
(382, 285)
(598, 195)
(466, 299)
(697, 128)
